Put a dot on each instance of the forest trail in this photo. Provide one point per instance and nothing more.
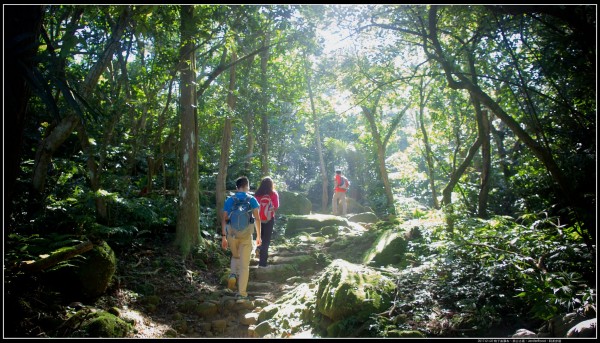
(216, 312)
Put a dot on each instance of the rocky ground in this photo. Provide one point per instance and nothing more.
(168, 313)
(164, 296)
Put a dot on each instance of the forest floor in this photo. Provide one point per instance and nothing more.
(160, 294)
(149, 266)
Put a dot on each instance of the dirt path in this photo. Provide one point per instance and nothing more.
(201, 306)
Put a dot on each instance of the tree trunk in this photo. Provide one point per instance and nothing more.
(324, 178)
(158, 138)
(484, 133)
(428, 152)
(187, 230)
(429, 160)
(380, 149)
(56, 258)
(455, 177)
(60, 132)
(225, 147)
(264, 114)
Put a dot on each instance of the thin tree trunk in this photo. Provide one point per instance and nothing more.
(429, 159)
(380, 149)
(187, 229)
(60, 132)
(455, 177)
(483, 131)
(324, 178)
(225, 145)
(264, 114)
(428, 152)
(158, 139)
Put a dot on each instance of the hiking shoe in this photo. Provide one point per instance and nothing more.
(231, 282)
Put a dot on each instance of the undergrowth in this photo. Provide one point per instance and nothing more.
(486, 274)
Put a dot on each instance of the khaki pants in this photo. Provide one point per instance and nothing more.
(337, 197)
(241, 250)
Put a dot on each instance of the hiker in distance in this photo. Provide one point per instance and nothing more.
(339, 193)
(268, 198)
(237, 226)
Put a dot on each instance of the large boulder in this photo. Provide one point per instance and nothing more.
(351, 293)
(293, 203)
(86, 276)
(96, 273)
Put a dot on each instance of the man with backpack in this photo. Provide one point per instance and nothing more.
(237, 226)
(268, 198)
(339, 192)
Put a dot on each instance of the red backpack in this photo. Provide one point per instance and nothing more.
(267, 211)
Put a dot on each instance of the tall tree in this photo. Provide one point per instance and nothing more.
(381, 140)
(265, 99)
(74, 120)
(226, 140)
(188, 214)
(428, 154)
(315, 118)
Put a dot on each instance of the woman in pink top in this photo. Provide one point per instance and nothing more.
(266, 189)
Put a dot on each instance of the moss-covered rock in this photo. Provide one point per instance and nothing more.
(353, 248)
(289, 313)
(350, 290)
(97, 272)
(84, 276)
(332, 231)
(388, 249)
(97, 324)
(293, 203)
(312, 223)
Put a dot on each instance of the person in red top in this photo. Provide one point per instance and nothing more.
(266, 188)
(339, 193)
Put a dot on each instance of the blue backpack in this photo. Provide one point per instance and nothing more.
(240, 216)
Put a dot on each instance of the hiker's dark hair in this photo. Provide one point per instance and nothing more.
(266, 187)
(241, 182)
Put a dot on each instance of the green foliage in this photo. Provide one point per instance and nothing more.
(210, 254)
(488, 272)
(534, 269)
(147, 213)
(30, 247)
